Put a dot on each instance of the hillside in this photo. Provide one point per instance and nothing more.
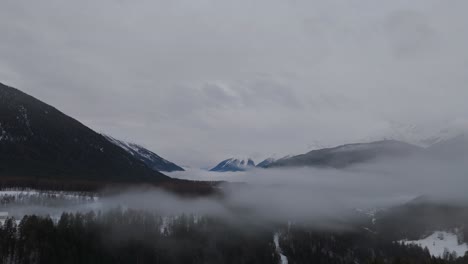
(40, 144)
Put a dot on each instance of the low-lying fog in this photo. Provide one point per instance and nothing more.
(302, 194)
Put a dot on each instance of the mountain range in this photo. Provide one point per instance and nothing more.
(350, 154)
(39, 144)
(337, 157)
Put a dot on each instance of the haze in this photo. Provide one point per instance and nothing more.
(316, 196)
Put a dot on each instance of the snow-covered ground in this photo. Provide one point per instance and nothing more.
(439, 242)
(284, 259)
(58, 194)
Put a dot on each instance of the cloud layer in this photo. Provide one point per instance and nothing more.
(199, 81)
(319, 196)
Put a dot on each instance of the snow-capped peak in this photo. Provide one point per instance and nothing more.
(234, 164)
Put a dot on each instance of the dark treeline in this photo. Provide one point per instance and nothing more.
(129, 236)
(177, 186)
(132, 237)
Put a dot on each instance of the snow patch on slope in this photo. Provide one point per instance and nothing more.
(440, 242)
(284, 259)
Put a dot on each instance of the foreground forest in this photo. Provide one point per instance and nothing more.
(128, 236)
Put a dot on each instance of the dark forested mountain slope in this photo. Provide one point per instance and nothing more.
(39, 143)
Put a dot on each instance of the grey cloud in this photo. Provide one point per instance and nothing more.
(410, 34)
(200, 80)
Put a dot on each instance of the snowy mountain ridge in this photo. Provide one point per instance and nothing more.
(150, 158)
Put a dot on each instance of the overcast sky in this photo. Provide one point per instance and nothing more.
(198, 81)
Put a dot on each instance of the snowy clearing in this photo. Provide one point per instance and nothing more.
(439, 242)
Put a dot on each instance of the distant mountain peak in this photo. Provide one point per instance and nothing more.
(234, 164)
